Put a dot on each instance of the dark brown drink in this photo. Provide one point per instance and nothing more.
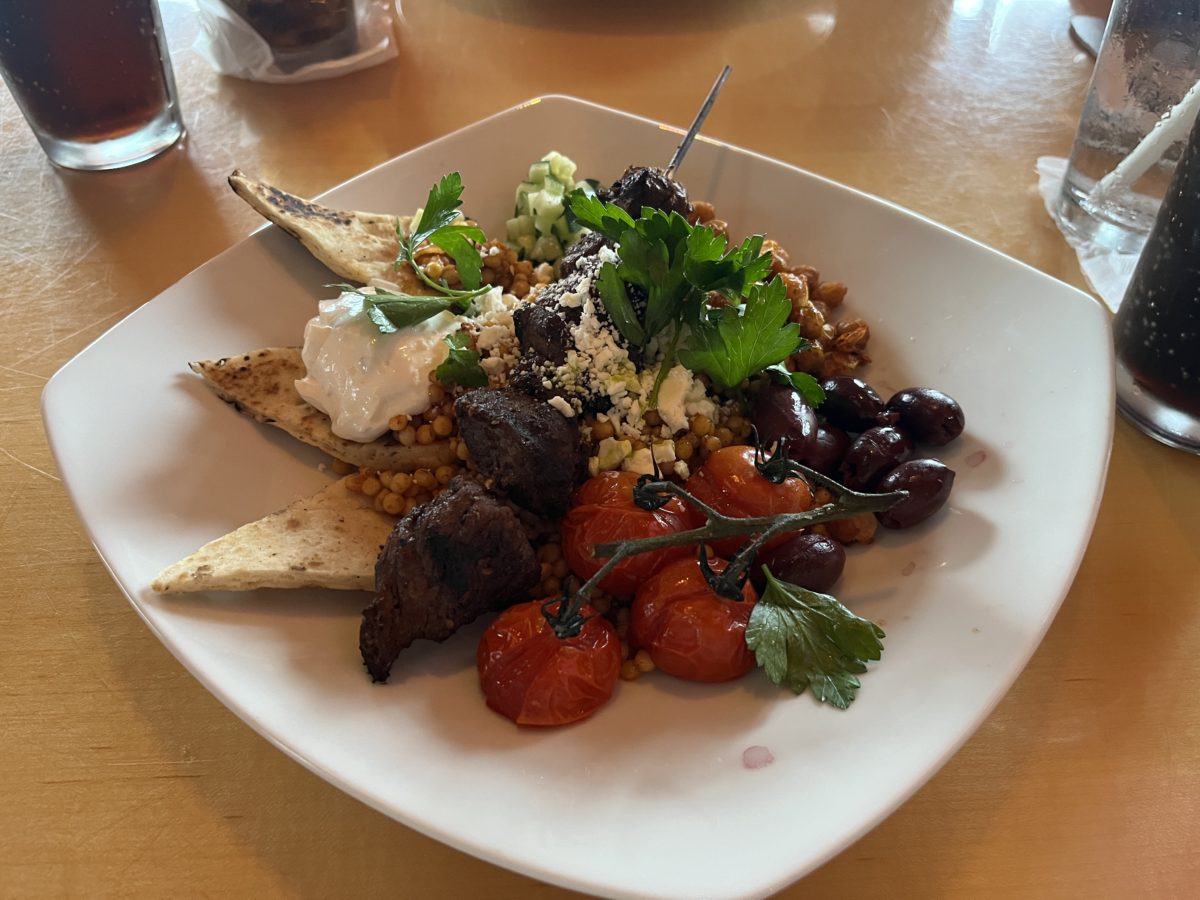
(90, 75)
(1157, 330)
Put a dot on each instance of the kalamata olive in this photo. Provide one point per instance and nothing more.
(779, 411)
(850, 403)
(929, 416)
(811, 561)
(928, 482)
(873, 454)
(827, 450)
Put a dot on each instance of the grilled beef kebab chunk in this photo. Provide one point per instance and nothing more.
(447, 562)
(586, 246)
(647, 186)
(532, 451)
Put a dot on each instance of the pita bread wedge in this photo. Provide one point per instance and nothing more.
(358, 246)
(262, 384)
(329, 540)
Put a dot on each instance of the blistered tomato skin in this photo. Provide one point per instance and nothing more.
(688, 630)
(929, 416)
(533, 677)
(873, 454)
(928, 482)
(810, 561)
(730, 483)
(602, 512)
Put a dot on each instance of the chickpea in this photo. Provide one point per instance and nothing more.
(602, 430)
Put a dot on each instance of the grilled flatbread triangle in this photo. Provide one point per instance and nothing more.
(262, 384)
(329, 540)
(358, 246)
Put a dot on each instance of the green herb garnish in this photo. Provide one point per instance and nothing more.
(675, 263)
(461, 367)
(391, 311)
(436, 225)
(805, 385)
(803, 639)
(731, 343)
(678, 265)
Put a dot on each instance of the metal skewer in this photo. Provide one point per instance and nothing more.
(682, 149)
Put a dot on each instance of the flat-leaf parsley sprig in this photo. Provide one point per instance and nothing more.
(678, 265)
(437, 225)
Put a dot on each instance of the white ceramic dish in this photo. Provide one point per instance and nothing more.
(650, 797)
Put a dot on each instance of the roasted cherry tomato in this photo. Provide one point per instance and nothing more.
(534, 677)
(603, 511)
(729, 483)
(688, 629)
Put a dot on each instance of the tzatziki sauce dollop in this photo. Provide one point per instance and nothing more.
(359, 376)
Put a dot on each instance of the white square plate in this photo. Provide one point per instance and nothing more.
(650, 797)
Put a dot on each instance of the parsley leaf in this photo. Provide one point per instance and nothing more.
(461, 367)
(456, 241)
(803, 639)
(806, 386)
(710, 268)
(438, 226)
(731, 343)
(390, 311)
(616, 301)
(607, 218)
(441, 208)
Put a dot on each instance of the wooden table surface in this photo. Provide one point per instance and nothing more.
(122, 775)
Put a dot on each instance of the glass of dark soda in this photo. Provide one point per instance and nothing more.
(1157, 329)
(92, 77)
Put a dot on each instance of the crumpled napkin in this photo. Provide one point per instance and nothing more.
(1107, 272)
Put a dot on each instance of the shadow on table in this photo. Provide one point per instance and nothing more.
(156, 220)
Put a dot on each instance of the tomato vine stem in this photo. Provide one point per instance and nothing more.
(846, 503)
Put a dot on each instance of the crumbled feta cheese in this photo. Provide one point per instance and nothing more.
(672, 396)
(611, 453)
(664, 452)
(639, 461)
(562, 406)
(682, 470)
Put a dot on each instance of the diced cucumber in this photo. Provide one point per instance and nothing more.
(520, 225)
(541, 225)
(561, 229)
(561, 167)
(546, 249)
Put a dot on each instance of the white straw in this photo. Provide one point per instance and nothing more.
(1170, 128)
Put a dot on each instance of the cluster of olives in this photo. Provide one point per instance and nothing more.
(866, 444)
